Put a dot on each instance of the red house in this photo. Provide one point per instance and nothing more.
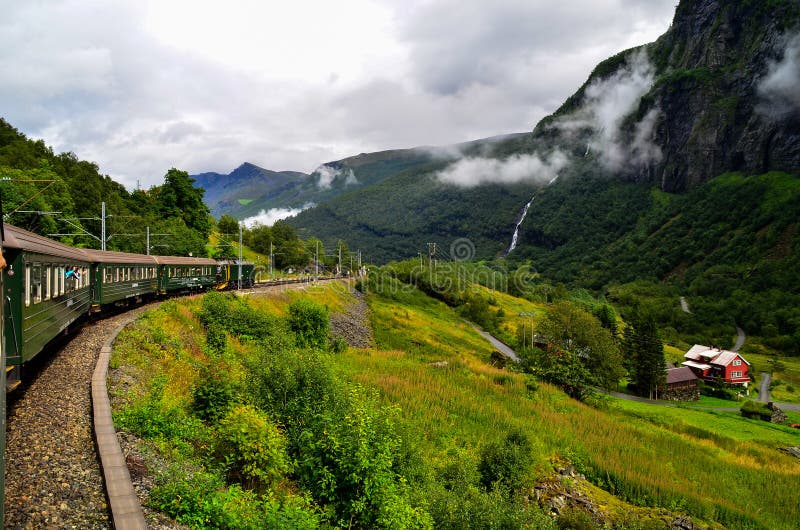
(713, 364)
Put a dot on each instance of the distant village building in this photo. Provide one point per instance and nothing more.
(681, 385)
(716, 365)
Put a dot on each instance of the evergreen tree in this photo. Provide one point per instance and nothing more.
(644, 354)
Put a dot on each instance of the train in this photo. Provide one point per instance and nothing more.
(48, 288)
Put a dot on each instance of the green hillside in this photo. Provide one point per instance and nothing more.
(420, 431)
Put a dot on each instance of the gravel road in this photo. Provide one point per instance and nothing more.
(53, 477)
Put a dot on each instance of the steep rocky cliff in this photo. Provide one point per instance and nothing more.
(723, 94)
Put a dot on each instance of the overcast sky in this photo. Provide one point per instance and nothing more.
(141, 86)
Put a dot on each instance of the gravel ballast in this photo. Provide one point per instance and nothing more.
(53, 477)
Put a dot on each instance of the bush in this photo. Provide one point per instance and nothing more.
(252, 447)
(506, 464)
(348, 463)
(212, 396)
(337, 345)
(294, 387)
(310, 322)
(202, 501)
(216, 338)
(751, 409)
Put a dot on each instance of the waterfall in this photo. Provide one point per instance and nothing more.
(516, 229)
(515, 237)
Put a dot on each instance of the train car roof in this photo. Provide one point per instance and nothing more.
(110, 256)
(22, 239)
(179, 260)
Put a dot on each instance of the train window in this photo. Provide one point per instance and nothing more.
(48, 280)
(36, 283)
(107, 274)
(27, 284)
(58, 288)
(84, 276)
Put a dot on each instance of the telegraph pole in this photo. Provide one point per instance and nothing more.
(270, 260)
(316, 261)
(103, 225)
(240, 255)
(148, 238)
(431, 254)
(340, 258)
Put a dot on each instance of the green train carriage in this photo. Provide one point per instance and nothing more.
(46, 288)
(185, 274)
(228, 274)
(120, 278)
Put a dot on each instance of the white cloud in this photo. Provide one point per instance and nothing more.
(268, 217)
(142, 86)
(780, 88)
(606, 105)
(470, 172)
(326, 175)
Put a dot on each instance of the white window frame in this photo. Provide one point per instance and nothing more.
(737, 362)
(27, 285)
(736, 375)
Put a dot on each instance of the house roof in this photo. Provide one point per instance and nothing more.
(706, 354)
(679, 375)
(699, 366)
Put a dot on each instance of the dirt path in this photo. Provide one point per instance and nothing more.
(763, 388)
(502, 348)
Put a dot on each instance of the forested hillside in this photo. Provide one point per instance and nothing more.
(61, 195)
(672, 171)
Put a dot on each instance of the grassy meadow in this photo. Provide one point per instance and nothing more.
(435, 370)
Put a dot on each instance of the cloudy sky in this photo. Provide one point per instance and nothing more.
(141, 86)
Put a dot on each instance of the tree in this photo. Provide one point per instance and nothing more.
(581, 344)
(178, 197)
(228, 224)
(644, 352)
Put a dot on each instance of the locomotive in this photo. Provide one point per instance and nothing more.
(48, 287)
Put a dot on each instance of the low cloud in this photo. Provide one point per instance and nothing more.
(780, 88)
(471, 172)
(327, 175)
(268, 217)
(607, 104)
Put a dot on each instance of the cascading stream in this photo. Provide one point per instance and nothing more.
(515, 237)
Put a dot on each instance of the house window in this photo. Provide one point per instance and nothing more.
(734, 375)
(737, 362)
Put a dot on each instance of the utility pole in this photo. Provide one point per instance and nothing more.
(270, 260)
(316, 261)
(240, 255)
(359, 262)
(340, 258)
(431, 254)
(103, 225)
(147, 246)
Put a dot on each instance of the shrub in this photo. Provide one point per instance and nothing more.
(310, 322)
(751, 409)
(506, 464)
(294, 387)
(348, 463)
(337, 345)
(212, 396)
(575, 519)
(216, 338)
(201, 500)
(252, 447)
(152, 419)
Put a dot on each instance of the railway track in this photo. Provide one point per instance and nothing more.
(53, 477)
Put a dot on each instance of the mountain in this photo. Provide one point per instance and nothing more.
(675, 163)
(250, 189)
(246, 184)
